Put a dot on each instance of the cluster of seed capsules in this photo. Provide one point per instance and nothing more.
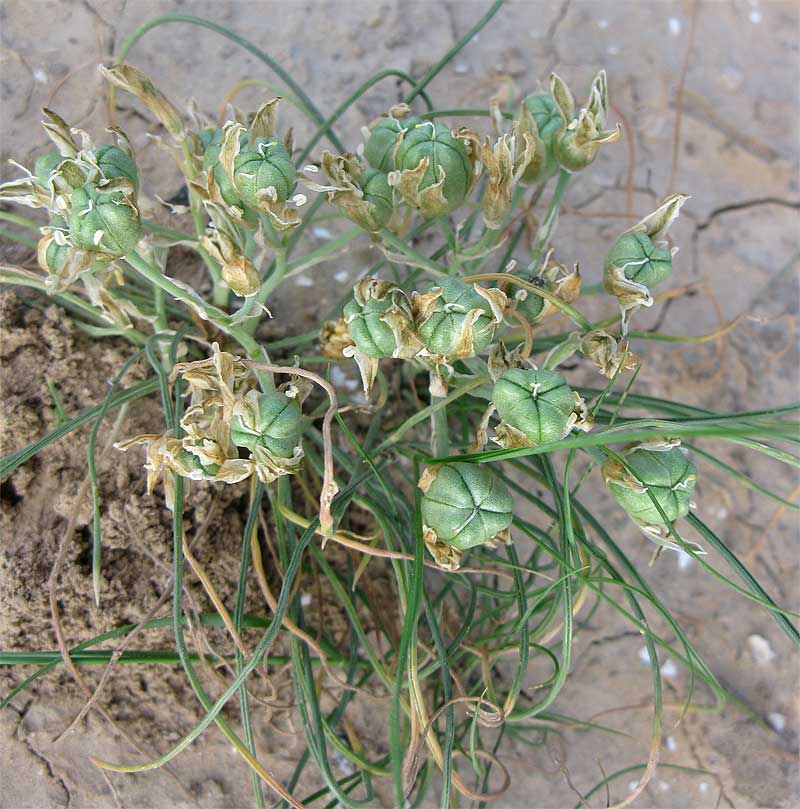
(433, 169)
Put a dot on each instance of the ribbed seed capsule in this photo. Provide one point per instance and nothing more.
(212, 140)
(445, 154)
(272, 421)
(640, 259)
(379, 148)
(548, 122)
(367, 323)
(530, 304)
(666, 474)
(378, 193)
(44, 165)
(465, 504)
(103, 221)
(115, 163)
(263, 164)
(538, 404)
(459, 323)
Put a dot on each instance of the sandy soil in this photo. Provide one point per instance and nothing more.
(738, 235)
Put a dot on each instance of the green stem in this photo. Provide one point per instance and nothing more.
(440, 438)
(322, 253)
(169, 233)
(248, 46)
(189, 297)
(549, 222)
(417, 259)
(17, 219)
(434, 71)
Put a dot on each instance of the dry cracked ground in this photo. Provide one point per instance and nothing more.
(736, 155)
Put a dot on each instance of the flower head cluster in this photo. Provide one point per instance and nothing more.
(90, 193)
(227, 417)
(452, 320)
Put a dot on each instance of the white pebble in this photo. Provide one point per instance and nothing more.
(684, 560)
(703, 787)
(341, 276)
(320, 232)
(644, 656)
(669, 742)
(304, 281)
(612, 50)
(761, 650)
(461, 68)
(602, 24)
(755, 16)
(632, 785)
(674, 26)
(669, 670)
(305, 600)
(663, 786)
(40, 76)
(778, 721)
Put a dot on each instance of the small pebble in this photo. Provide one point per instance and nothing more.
(669, 670)
(674, 26)
(761, 650)
(669, 743)
(303, 281)
(778, 721)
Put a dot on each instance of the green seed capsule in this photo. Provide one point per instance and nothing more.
(548, 122)
(104, 222)
(367, 327)
(533, 304)
(264, 164)
(114, 163)
(444, 153)
(192, 464)
(640, 259)
(666, 474)
(55, 257)
(446, 331)
(212, 148)
(378, 193)
(44, 167)
(466, 505)
(538, 404)
(379, 148)
(272, 421)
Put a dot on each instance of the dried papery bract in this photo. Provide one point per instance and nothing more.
(610, 355)
(505, 164)
(238, 271)
(138, 84)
